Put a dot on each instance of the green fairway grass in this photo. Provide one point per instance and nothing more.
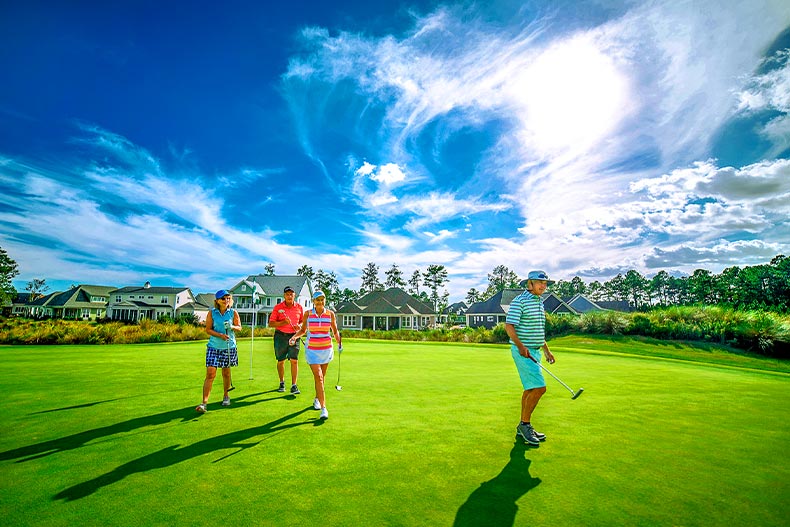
(421, 434)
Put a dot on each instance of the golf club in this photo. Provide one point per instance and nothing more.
(339, 352)
(574, 395)
(230, 372)
(291, 323)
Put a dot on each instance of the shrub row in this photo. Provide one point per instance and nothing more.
(760, 332)
(25, 331)
(756, 331)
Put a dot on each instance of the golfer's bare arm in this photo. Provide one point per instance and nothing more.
(301, 331)
(511, 332)
(547, 352)
(277, 323)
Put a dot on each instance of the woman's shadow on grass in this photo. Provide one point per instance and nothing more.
(80, 439)
(173, 455)
(494, 501)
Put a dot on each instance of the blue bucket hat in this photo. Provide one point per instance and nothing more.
(539, 275)
(221, 293)
(318, 294)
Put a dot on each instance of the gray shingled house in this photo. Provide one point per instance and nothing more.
(384, 310)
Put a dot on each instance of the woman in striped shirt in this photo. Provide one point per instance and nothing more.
(320, 325)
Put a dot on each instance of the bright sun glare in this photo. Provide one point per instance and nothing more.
(572, 95)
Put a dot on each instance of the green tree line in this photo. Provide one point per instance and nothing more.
(758, 287)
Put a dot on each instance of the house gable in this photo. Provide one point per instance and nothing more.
(390, 309)
(133, 303)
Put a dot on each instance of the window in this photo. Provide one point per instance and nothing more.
(268, 301)
(118, 298)
(406, 322)
(349, 320)
(150, 297)
(243, 287)
(164, 300)
(489, 318)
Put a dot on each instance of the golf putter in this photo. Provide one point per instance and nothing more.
(339, 352)
(574, 395)
(227, 329)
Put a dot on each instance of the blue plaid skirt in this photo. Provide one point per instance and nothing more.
(219, 358)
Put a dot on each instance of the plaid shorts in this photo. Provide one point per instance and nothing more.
(218, 358)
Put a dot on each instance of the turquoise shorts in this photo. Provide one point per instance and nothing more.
(530, 373)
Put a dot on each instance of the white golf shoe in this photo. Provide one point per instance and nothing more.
(316, 404)
(324, 413)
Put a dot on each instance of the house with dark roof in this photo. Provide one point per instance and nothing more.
(255, 296)
(385, 310)
(80, 302)
(18, 306)
(203, 303)
(454, 314)
(493, 311)
(582, 304)
(134, 303)
(39, 308)
(556, 305)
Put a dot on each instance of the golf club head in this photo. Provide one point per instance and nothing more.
(577, 394)
(338, 388)
(231, 388)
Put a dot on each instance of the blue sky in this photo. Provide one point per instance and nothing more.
(193, 143)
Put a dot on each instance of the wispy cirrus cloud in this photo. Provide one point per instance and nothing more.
(117, 211)
(770, 92)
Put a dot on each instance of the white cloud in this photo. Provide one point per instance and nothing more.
(385, 178)
(770, 90)
(366, 169)
(436, 237)
(125, 219)
(588, 127)
(388, 174)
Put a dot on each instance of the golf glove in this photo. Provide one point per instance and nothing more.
(227, 325)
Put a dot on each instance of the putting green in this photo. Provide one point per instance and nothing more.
(421, 434)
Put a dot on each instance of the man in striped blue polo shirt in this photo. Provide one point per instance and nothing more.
(526, 326)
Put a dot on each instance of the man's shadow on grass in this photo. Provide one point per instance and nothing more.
(494, 501)
(173, 454)
(63, 444)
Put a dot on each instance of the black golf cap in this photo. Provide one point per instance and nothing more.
(288, 288)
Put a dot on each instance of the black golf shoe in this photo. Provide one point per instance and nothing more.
(528, 434)
(281, 388)
(295, 390)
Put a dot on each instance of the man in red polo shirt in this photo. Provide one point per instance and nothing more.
(285, 319)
